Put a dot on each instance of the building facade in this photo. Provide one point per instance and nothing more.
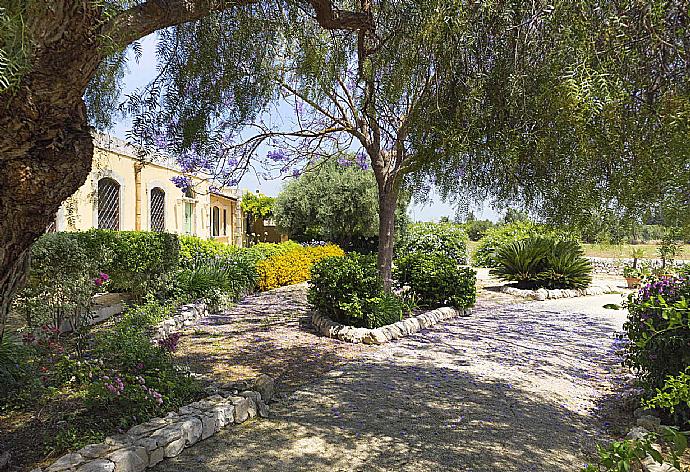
(123, 192)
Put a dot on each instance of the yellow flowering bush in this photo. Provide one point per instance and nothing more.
(292, 267)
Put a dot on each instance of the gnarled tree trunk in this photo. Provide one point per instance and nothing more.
(388, 189)
(45, 145)
(32, 187)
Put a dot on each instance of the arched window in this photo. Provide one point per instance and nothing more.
(108, 204)
(215, 220)
(157, 209)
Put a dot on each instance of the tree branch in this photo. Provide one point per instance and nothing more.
(153, 15)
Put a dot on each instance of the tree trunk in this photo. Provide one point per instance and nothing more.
(54, 163)
(387, 204)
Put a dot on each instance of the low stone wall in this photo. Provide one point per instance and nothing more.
(147, 444)
(387, 333)
(544, 294)
(609, 265)
(185, 315)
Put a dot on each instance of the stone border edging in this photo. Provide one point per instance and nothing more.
(544, 294)
(147, 444)
(400, 329)
(644, 424)
(184, 316)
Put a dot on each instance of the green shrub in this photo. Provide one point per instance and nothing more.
(630, 454)
(61, 280)
(13, 360)
(659, 341)
(673, 398)
(385, 309)
(445, 238)
(261, 251)
(477, 229)
(218, 280)
(192, 248)
(436, 279)
(484, 255)
(348, 290)
(134, 375)
(142, 261)
(543, 262)
(340, 287)
(566, 267)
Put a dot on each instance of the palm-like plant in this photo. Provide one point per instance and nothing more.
(522, 261)
(543, 262)
(566, 267)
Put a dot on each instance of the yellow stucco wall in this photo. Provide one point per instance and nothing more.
(113, 159)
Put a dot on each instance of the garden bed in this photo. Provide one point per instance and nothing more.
(386, 333)
(147, 444)
(545, 294)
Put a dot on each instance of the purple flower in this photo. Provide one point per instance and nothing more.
(277, 156)
(344, 162)
(362, 160)
(182, 182)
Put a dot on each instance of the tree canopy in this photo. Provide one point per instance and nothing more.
(570, 110)
(333, 202)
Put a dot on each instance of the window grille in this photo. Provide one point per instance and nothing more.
(108, 204)
(157, 209)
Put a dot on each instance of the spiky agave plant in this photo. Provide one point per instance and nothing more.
(566, 267)
(522, 261)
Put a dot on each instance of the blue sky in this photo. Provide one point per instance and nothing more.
(142, 72)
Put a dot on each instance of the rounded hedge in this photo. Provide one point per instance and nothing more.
(445, 238)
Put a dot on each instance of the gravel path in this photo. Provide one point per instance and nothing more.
(514, 387)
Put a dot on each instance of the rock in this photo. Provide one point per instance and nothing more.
(174, 448)
(191, 429)
(412, 324)
(648, 422)
(256, 396)
(424, 321)
(541, 294)
(130, 459)
(149, 443)
(118, 441)
(402, 327)
(637, 433)
(94, 451)
(188, 410)
(143, 429)
(98, 465)
(156, 456)
(374, 336)
(390, 333)
(650, 465)
(253, 408)
(66, 462)
(265, 385)
(209, 426)
(241, 405)
(264, 411)
(222, 414)
(168, 434)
